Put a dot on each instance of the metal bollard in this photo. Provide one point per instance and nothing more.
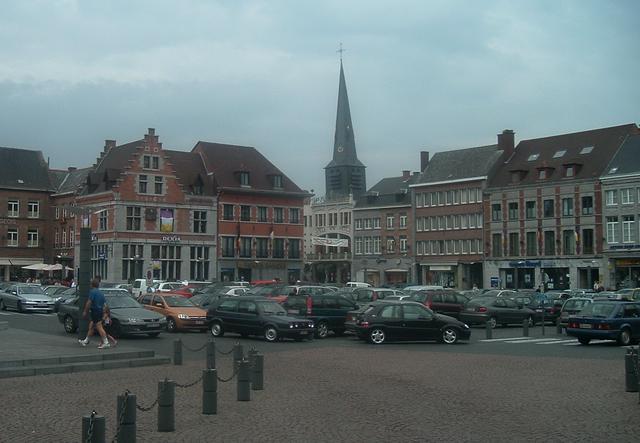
(257, 379)
(558, 326)
(93, 425)
(238, 355)
(209, 391)
(630, 368)
(177, 352)
(244, 381)
(211, 354)
(489, 330)
(525, 328)
(126, 411)
(166, 405)
(251, 355)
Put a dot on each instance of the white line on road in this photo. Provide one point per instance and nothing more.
(504, 339)
(558, 342)
(5, 313)
(535, 340)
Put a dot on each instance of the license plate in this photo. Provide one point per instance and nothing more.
(152, 325)
(199, 322)
(303, 332)
(586, 325)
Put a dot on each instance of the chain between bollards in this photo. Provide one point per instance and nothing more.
(93, 428)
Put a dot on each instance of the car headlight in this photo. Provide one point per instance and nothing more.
(183, 316)
(466, 326)
(311, 325)
(290, 325)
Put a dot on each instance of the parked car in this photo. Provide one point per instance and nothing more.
(256, 316)
(357, 284)
(606, 320)
(442, 301)
(627, 294)
(181, 313)
(497, 311)
(363, 296)
(407, 320)
(398, 297)
(25, 297)
(64, 295)
(166, 286)
(572, 307)
(328, 311)
(277, 292)
(140, 286)
(204, 299)
(421, 288)
(127, 315)
(52, 290)
(500, 293)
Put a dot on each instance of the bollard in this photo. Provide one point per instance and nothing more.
(251, 355)
(257, 379)
(630, 368)
(177, 352)
(244, 381)
(489, 330)
(211, 354)
(126, 414)
(525, 328)
(166, 402)
(238, 355)
(558, 326)
(93, 426)
(209, 391)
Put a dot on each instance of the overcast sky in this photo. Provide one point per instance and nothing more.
(421, 75)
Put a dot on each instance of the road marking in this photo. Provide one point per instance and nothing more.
(592, 342)
(504, 339)
(558, 342)
(535, 340)
(5, 313)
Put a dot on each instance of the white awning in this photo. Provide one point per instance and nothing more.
(396, 270)
(439, 268)
(18, 261)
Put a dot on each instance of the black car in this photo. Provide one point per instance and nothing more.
(408, 320)
(256, 316)
(328, 311)
(496, 311)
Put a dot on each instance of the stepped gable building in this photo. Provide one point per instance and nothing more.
(260, 228)
(383, 232)
(328, 219)
(543, 211)
(153, 213)
(25, 187)
(448, 214)
(621, 216)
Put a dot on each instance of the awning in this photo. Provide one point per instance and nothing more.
(36, 267)
(439, 268)
(18, 261)
(396, 270)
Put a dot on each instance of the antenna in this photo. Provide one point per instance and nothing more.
(340, 51)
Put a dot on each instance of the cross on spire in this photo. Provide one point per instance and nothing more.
(340, 51)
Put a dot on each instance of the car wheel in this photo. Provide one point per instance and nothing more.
(377, 336)
(530, 321)
(450, 336)
(493, 322)
(216, 329)
(69, 324)
(322, 330)
(584, 341)
(270, 334)
(171, 325)
(625, 337)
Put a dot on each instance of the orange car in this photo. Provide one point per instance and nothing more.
(181, 314)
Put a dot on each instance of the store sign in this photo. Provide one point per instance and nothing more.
(171, 238)
(628, 262)
(624, 247)
(525, 264)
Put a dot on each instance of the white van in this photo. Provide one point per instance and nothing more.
(140, 286)
(357, 284)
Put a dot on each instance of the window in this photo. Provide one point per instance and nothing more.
(403, 221)
(33, 209)
(514, 245)
(532, 247)
(464, 196)
(245, 247)
(294, 215)
(262, 248)
(294, 248)
(560, 153)
(57, 213)
(64, 238)
(262, 214)
(513, 211)
(496, 245)
(403, 243)
(391, 245)
(569, 171)
(278, 248)
(133, 218)
(419, 200)
(278, 215)
(12, 237)
(449, 197)
(102, 220)
(277, 181)
(200, 222)
(533, 157)
(612, 230)
(496, 212)
(549, 243)
(567, 207)
(169, 257)
(390, 220)
(146, 161)
(548, 207)
(56, 238)
(587, 205)
(586, 150)
(628, 229)
(228, 246)
(587, 241)
(132, 261)
(155, 162)
(159, 182)
(530, 209)
(244, 179)
(199, 263)
(142, 184)
(611, 197)
(569, 241)
(357, 224)
(626, 196)
(376, 223)
(151, 162)
(542, 174)
(245, 213)
(32, 238)
(13, 208)
(72, 239)
(227, 212)
(456, 197)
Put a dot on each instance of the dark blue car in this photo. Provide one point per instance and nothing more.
(606, 320)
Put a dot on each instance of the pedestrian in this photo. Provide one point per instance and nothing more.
(95, 305)
(106, 323)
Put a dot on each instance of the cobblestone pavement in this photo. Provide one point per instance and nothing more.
(368, 394)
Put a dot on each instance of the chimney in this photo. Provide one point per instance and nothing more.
(72, 168)
(406, 175)
(108, 144)
(506, 143)
(424, 160)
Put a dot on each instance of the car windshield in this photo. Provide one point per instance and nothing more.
(577, 304)
(121, 301)
(598, 310)
(177, 301)
(30, 289)
(269, 307)
(491, 293)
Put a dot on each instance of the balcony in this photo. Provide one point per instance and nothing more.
(328, 256)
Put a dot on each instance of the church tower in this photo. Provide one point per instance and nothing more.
(345, 174)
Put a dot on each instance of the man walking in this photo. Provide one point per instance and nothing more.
(95, 306)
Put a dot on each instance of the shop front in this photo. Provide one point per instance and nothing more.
(627, 272)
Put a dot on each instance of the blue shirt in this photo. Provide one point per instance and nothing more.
(97, 300)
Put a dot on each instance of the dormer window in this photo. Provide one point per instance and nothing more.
(533, 157)
(244, 179)
(569, 171)
(277, 181)
(518, 175)
(544, 173)
(560, 153)
(586, 150)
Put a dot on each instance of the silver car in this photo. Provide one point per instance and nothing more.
(24, 297)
